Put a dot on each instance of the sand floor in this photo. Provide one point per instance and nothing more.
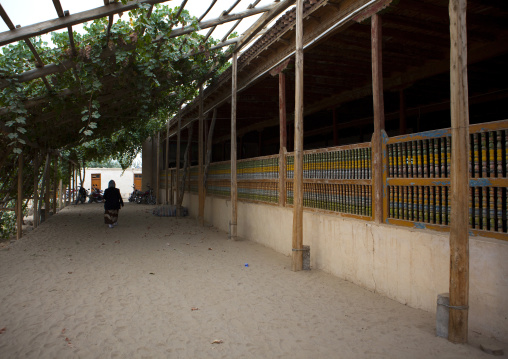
(165, 288)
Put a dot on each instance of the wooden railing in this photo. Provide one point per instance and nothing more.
(418, 183)
(335, 179)
(416, 180)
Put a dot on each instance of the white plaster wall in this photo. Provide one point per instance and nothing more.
(410, 266)
(123, 180)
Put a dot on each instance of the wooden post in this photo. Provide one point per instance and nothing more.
(402, 113)
(297, 253)
(36, 191)
(166, 186)
(379, 117)
(60, 194)
(157, 171)
(201, 192)
(459, 179)
(19, 203)
(55, 183)
(234, 183)
(177, 176)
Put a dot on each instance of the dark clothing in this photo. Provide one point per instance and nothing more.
(112, 198)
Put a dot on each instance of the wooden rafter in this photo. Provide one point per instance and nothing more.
(64, 66)
(44, 27)
(38, 60)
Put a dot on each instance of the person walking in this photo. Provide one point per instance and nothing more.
(112, 203)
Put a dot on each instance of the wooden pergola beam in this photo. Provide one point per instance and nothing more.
(262, 22)
(44, 27)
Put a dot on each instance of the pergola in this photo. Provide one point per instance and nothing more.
(54, 119)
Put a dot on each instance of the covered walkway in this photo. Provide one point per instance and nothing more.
(166, 288)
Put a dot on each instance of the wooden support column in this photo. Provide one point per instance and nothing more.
(201, 192)
(297, 253)
(35, 207)
(55, 183)
(234, 183)
(74, 181)
(177, 176)
(19, 202)
(459, 179)
(379, 117)
(157, 171)
(60, 194)
(166, 185)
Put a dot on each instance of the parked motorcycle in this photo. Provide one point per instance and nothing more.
(147, 197)
(95, 196)
(134, 194)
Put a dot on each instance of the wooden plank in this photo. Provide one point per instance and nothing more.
(297, 242)
(19, 200)
(201, 192)
(459, 234)
(379, 123)
(234, 183)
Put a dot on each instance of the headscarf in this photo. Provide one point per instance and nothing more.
(111, 184)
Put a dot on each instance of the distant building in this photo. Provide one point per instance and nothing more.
(100, 177)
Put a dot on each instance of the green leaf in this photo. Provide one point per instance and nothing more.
(96, 114)
(84, 118)
(88, 132)
(92, 125)
(21, 129)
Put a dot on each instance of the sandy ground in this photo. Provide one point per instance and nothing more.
(165, 288)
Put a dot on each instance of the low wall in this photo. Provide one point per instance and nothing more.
(410, 266)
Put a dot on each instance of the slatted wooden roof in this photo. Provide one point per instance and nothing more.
(337, 72)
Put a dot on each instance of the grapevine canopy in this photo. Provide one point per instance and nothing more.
(101, 93)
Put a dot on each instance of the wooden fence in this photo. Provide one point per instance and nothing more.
(416, 180)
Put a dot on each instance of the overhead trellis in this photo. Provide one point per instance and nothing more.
(101, 93)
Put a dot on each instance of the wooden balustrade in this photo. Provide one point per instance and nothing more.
(339, 180)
